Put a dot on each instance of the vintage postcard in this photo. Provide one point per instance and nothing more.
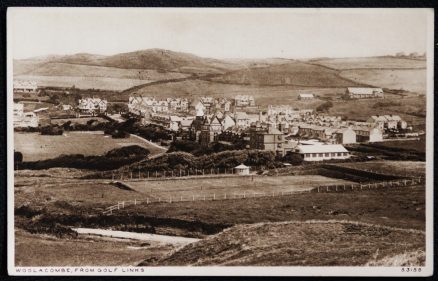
(183, 141)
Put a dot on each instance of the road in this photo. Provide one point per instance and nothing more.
(164, 239)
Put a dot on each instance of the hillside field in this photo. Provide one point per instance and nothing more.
(295, 73)
(263, 95)
(39, 147)
(371, 62)
(412, 80)
(321, 243)
(186, 189)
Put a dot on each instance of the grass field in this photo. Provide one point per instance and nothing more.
(371, 62)
(321, 243)
(234, 185)
(43, 250)
(264, 95)
(390, 167)
(84, 82)
(413, 80)
(38, 147)
(363, 109)
(294, 73)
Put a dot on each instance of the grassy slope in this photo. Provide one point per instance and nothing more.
(294, 73)
(320, 244)
(371, 62)
(38, 147)
(386, 72)
(263, 95)
(43, 250)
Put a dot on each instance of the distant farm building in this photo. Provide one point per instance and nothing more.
(241, 170)
(25, 87)
(322, 152)
(306, 96)
(364, 93)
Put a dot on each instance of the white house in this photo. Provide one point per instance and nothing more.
(25, 86)
(322, 152)
(306, 96)
(241, 170)
(363, 93)
(242, 119)
(345, 136)
(92, 105)
(227, 122)
(244, 100)
(367, 134)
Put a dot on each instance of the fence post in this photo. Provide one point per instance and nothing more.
(204, 197)
(123, 204)
(180, 199)
(170, 199)
(118, 205)
(225, 196)
(135, 202)
(214, 196)
(147, 200)
(244, 194)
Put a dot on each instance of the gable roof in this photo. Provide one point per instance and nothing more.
(364, 91)
(325, 148)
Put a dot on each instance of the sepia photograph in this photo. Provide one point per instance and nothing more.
(207, 141)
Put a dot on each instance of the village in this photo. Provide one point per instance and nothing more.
(282, 129)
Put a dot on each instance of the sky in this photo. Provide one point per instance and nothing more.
(218, 33)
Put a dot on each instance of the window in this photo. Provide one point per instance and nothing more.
(327, 154)
(320, 154)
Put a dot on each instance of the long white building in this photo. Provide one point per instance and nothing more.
(320, 152)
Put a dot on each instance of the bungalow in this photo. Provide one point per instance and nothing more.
(306, 96)
(322, 152)
(241, 170)
(363, 93)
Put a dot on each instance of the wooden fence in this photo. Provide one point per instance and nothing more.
(139, 175)
(233, 196)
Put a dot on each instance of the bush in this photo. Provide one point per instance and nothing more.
(324, 107)
(113, 159)
(52, 130)
(293, 158)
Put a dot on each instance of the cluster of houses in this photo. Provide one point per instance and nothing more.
(24, 119)
(22, 86)
(92, 105)
(143, 105)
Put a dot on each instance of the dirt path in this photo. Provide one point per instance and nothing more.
(151, 143)
(164, 239)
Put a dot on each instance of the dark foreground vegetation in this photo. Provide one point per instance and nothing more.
(113, 159)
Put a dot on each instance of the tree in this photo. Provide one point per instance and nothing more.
(293, 158)
(18, 157)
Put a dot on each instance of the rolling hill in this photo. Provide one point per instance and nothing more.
(310, 243)
(294, 73)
